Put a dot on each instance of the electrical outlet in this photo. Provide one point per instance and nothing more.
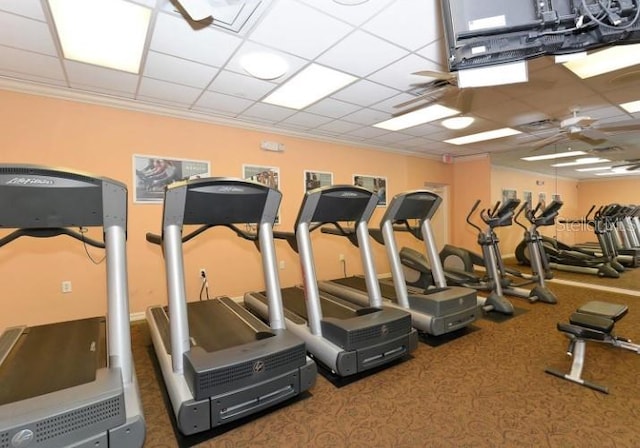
(66, 286)
(203, 273)
(341, 257)
(281, 264)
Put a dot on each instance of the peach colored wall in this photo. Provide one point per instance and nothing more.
(102, 140)
(505, 178)
(625, 190)
(472, 181)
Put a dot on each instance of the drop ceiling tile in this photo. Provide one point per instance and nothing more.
(29, 63)
(398, 75)
(299, 29)
(35, 79)
(411, 24)
(423, 130)
(366, 116)
(180, 71)
(87, 75)
(436, 52)
(248, 87)
(392, 137)
(218, 102)
(173, 35)
(306, 120)
(389, 104)
(26, 8)
(367, 132)
(295, 63)
(371, 52)
(268, 112)
(339, 127)
(26, 34)
(353, 14)
(330, 107)
(167, 92)
(97, 90)
(364, 93)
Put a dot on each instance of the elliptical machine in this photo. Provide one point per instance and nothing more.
(497, 280)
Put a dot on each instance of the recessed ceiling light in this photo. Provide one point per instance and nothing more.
(263, 65)
(457, 122)
(350, 2)
(557, 155)
(631, 107)
(108, 33)
(483, 136)
(420, 116)
(605, 61)
(308, 86)
(582, 161)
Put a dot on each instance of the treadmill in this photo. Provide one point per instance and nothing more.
(219, 362)
(69, 383)
(344, 337)
(435, 311)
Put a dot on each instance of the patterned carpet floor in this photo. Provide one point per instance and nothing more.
(485, 388)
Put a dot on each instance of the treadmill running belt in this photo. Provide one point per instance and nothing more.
(214, 326)
(52, 357)
(293, 300)
(387, 290)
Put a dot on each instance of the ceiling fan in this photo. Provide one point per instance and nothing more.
(628, 165)
(442, 88)
(587, 129)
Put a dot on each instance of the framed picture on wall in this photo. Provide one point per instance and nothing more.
(316, 179)
(377, 184)
(555, 197)
(152, 173)
(508, 194)
(542, 200)
(265, 175)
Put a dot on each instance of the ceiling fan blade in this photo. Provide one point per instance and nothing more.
(625, 125)
(196, 9)
(434, 74)
(431, 95)
(550, 140)
(444, 99)
(464, 100)
(593, 134)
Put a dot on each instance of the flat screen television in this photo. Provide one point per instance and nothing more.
(480, 33)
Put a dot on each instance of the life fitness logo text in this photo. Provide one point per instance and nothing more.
(22, 438)
(29, 181)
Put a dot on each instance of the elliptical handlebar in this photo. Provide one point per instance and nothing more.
(524, 206)
(473, 209)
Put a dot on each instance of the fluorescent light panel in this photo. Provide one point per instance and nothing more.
(557, 155)
(494, 75)
(483, 136)
(617, 173)
(583, 161)
(420, 116)
(108, 33)
(631, 107)
(605, 61)
(308, 86)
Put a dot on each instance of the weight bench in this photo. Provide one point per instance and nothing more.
(593, 321)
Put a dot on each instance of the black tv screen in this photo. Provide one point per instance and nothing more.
(479, 33)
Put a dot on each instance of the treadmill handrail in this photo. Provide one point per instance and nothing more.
(49, 233)
(155, 238)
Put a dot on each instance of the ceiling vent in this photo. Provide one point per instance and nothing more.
(539, 125)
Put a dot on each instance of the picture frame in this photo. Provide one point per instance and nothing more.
(316, 179)
(376, 184)
(152, 173)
